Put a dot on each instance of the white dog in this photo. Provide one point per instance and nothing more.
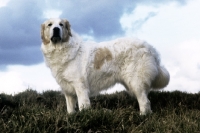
(83, 69)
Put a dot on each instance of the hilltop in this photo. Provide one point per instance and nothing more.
(30, 111)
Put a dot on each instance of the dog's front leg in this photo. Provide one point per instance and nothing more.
(71, 103)
(83, 96)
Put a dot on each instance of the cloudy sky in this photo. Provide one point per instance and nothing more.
(172, 27)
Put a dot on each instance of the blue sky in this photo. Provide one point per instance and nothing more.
(172, 27)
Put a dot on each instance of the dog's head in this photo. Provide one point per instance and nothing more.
(55, 31)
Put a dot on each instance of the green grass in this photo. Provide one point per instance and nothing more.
(32, 112)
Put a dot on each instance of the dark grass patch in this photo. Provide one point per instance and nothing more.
(30, 111)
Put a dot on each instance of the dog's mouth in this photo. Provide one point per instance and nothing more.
(56, 35)
(55, 39)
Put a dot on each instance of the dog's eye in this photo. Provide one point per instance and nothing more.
(50, 24)
(61, 24)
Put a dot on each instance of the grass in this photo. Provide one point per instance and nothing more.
(30, 112)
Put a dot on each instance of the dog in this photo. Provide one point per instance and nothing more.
(83, 69)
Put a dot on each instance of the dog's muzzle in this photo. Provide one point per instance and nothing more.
(56, 35)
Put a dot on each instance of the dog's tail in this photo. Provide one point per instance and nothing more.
(162, 79)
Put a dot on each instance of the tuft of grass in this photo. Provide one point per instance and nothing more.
(30, 111)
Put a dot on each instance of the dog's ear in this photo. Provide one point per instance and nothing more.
(67, 31)
(44, 39)
(68, 27)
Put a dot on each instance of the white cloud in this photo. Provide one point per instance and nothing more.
(10, 82)
(174, 31)
(133, 21)
(184, 68)
(52, 13)
(116, 88)
(20, 78)
(172, 24)
(87, 37)
(3, 2)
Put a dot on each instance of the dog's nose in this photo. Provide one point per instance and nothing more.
(56, 31)
(56, 35)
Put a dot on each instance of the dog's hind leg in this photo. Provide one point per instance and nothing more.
(141, 94)
(140, 91)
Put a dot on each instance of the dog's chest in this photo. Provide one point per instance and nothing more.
(61, 64)
(58, 56)
(55, 59)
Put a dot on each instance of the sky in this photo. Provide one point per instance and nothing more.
(172, 27)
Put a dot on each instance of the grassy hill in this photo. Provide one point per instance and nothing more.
(29, 111)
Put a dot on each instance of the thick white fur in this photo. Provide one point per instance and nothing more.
(83, 69)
